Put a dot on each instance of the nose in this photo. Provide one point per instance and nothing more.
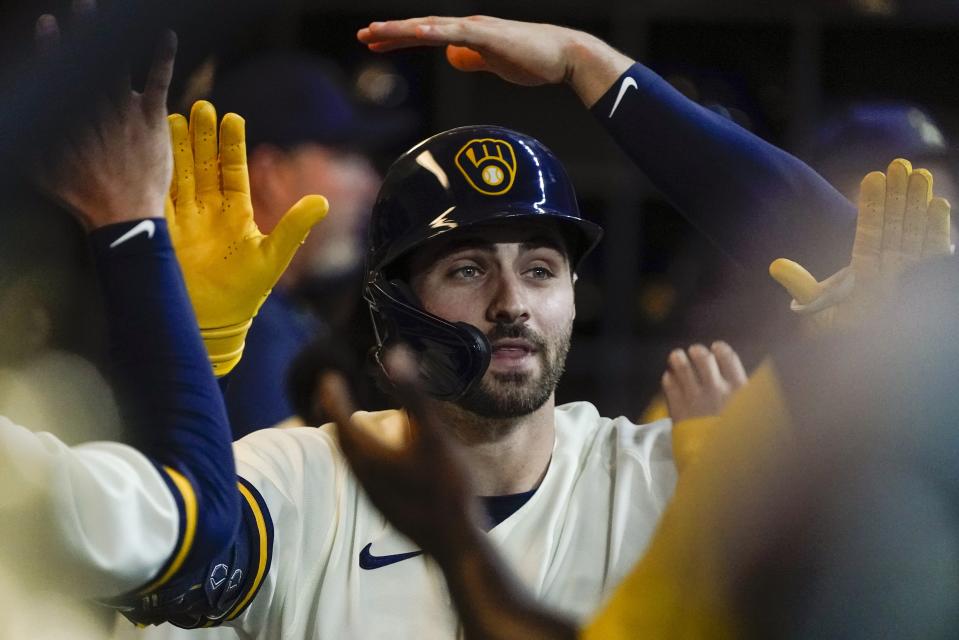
(509, 304)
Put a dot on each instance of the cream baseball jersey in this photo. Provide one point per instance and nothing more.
(339, 570)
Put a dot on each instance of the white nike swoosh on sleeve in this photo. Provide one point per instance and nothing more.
(627, 83)
(145, 226)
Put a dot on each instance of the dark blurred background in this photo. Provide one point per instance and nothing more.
(777, 68)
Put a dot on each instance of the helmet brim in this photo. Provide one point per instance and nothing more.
(581, 236)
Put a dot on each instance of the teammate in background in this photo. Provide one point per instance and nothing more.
(755, 201)
(304, 135)
(851, 141)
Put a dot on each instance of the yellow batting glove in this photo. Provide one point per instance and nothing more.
(228, 265)
(900, 223)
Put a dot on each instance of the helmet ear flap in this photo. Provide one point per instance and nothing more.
(451, 357)
(404, 293)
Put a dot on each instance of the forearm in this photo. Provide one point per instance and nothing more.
(491, 604)
(157, 357)
(754, 200)
(593, 66)
(171, 403)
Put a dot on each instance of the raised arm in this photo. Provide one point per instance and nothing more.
(163, 530)
(754, 200)
(134, 517)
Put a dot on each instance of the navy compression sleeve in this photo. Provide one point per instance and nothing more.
(172, 404)
(754, 200)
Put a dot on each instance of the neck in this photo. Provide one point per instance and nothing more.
(504, 456)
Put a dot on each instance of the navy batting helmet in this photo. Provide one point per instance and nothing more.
(455, 180)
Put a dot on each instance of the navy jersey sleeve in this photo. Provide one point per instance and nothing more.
(752, 199)
(219, 589)
(175, 414)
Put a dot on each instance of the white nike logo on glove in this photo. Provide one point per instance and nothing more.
(627, 83)
(145, 226)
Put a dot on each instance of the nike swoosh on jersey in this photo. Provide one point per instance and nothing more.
(623, 88)
(369, 561)
(145, 226)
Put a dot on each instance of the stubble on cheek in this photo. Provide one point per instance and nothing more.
(518, 393)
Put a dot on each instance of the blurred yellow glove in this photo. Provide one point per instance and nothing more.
(689, 439)
(228, 265)
(685, 585)
(899, 224)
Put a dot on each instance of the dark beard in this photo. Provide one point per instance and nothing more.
(500, 396)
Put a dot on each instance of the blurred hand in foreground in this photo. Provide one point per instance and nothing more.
(420, 484)
(699, 381)
(116, 167)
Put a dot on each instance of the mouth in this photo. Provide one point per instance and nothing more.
(512, 349)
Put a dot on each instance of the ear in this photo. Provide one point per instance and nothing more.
(575, 278)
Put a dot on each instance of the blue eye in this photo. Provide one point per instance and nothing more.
(541, 273)
(467, 272)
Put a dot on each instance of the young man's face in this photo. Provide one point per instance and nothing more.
(514, 284)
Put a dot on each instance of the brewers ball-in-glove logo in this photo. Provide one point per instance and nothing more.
(489, 165)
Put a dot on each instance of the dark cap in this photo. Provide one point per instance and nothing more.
(290, 97)
(863, 137)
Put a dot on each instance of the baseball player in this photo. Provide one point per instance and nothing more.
(804, 510)
(472, 267)
(476, 237)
